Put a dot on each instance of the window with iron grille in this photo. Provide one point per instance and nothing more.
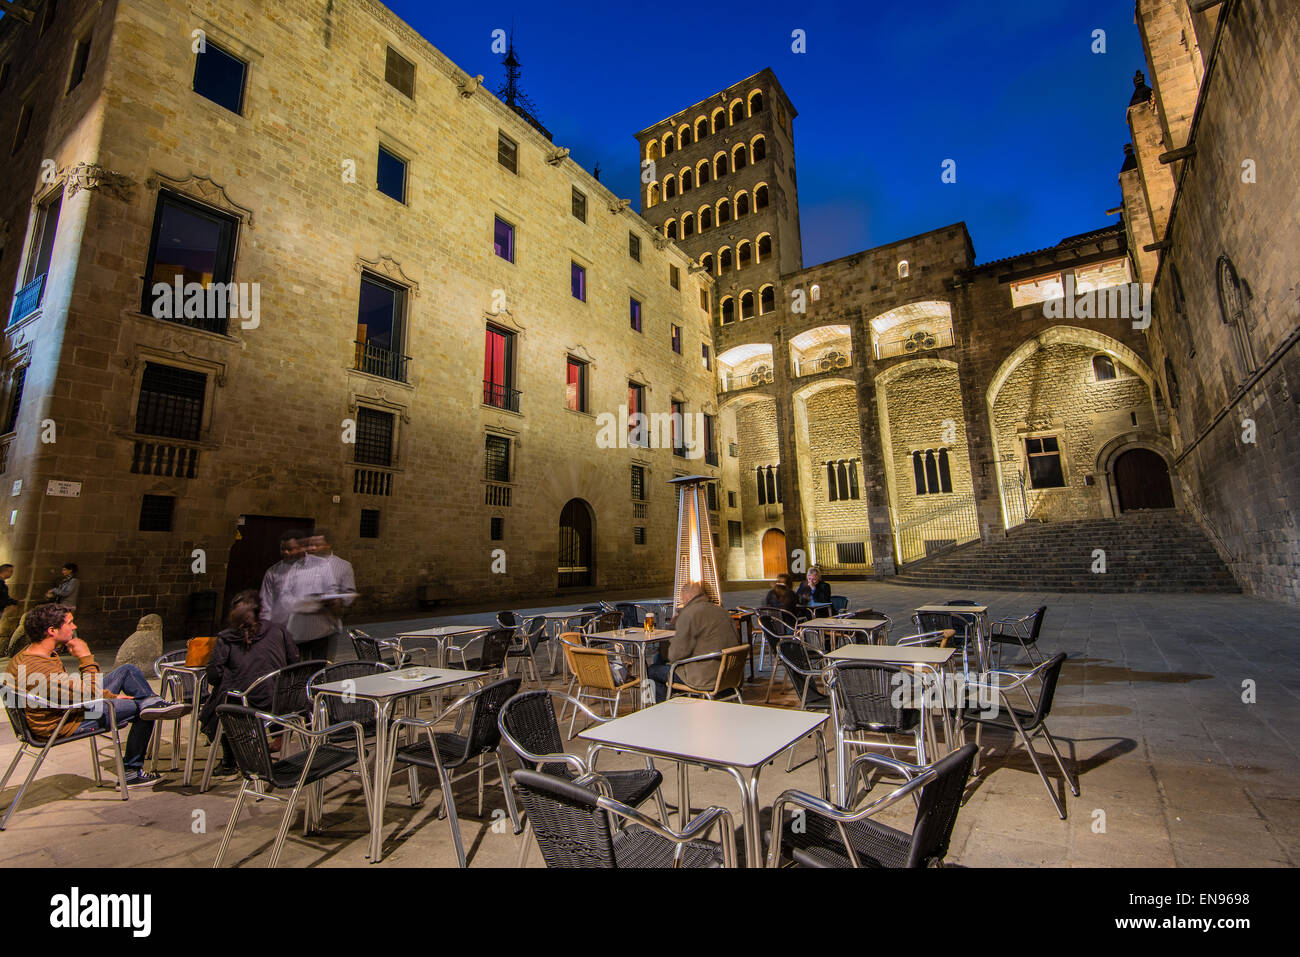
(734, 537)
(498, 528)
(638, 483)
(711, 492)
(638, 535)
(498, 458)
(156, 513)
(579, 205)
(851, 553)
(15, 399)
(374, 437)
(399, 72)
(634, 246)
(370, 523)
(171, 402)
(507, 152)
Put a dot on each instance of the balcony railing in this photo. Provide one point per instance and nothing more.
(385, 363)
(497, 495)
(640, 509)
(731, 381)
(843, 549)
(371, 482)
(937, 530)
(825, 362)
(171, 461)
(28, 299)
(499, 396)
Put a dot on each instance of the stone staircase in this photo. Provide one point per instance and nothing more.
(1163, 551)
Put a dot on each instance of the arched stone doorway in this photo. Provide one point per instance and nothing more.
(774, 560)
(1141, 479)
(577, 555)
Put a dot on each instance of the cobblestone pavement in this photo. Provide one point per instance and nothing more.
(1179, 713)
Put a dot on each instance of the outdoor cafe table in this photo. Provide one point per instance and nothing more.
(737, 738)
(441, 635)
(384, 689)
(557, 622)
(981, 614)
(635, 636)
(926, 660)
(869, 625)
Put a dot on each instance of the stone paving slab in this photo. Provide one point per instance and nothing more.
(1149, 711)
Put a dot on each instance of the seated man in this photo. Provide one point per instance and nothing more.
(815, 589)
(38, 670)
(702, 628)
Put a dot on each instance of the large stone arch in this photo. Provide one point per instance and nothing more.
(1052, 336)
(818, 513)
(758, 412)
(1138, 439)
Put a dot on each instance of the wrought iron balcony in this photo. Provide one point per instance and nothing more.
(377, 361)
(28, 299)
(497, 395)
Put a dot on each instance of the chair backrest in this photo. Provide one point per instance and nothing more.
(533, 629)
(1037, 626)
(838, 604)
(774, 629)
(336, 709)
(780, 614)
(245, 736)
(731, 669)
(631, 613)
(869, 695)
(171, 658)
(483, 734)
(289, 688)
(366, 648)
(591, 665)
(571, 829)
(16, 708)
(508, 619)
(529, 718)
(927, 639)
(605, 621)
(495, 648)
(801, 661)
(937, 809)
(939, 620)
(1050, 673)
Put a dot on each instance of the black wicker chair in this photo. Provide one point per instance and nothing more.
(493, 650)
(1028, 724)
(288, 697)
(869, 697)
(528, 635)
(804, 665)
(444, 752)
(572, 825)
(373, 649)
(963, 632)
(18, 703)
(831, 836)
(245, 731)
(605, 621)
(334, 709)
(529, 726)
(1022, 632)
(774, 630)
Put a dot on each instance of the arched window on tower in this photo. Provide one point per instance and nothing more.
(688, 180)
(653, 195)
(760, 198)
(702, 174)
(1103, 367)
(724, 262)
(670, 187)
(742, 205)
(719, 119)
(706, 262)
(670, 145)
(744, 255)
(652, 151)
(755, 102)
(720, 166)
(760, 150)
(670, 229)
(739, 160)
(766, 300)
(903, 269)
(728, 310)
(737, 112)
(724, 212)
(688, 226)
(706, 218)
(815, 292)
(701, 128)
(684, 135)
(746, 305)
(764, 247)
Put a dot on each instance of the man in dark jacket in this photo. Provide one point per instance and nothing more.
(249, 649)
(702, 628)
(814, 589)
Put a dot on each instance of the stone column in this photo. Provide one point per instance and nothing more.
(973, 375)
(791, 503)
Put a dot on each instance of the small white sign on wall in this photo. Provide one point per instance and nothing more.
(17, 487)
(64, 489)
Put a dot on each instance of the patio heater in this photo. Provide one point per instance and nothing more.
(695, 561)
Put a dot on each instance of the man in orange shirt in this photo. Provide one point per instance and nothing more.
(38, 670)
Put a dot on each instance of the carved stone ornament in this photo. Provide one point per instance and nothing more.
(580, 351)
(390, 268)
(619, 205)
(469, 85)
(636, 375)
(381, 400)
(204, 189)
(93, 176)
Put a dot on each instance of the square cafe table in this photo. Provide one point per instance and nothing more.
(384, 689)
(869, 625)
(557, 622)
(737, 738)
(441, 635)
(981, 614)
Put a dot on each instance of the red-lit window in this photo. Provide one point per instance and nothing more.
(498, 371)
(576, 386)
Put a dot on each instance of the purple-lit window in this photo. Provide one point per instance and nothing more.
(635, 311)
(578, 281)
(503, 240)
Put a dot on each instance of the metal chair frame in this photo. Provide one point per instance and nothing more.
(176, 683)
(16, 702)
(726, 658)
(574, 655)
(361, 640)
(266, 788)
(1023, 631)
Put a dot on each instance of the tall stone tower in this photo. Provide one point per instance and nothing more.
(718, 178)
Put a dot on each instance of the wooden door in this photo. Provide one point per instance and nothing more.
(256, 548)
(774, 557)
(1142, 481)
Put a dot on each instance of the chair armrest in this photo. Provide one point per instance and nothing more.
(696, 829)
(673, 666)
(289, 723)
(429, 723)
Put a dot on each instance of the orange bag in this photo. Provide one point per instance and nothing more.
(198, 651)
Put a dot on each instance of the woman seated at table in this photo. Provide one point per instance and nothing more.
(815, 590)
(249, 649)
(782, 594)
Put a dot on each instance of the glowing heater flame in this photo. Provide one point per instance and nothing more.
(696, 570)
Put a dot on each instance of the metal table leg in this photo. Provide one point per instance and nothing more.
(380, 790)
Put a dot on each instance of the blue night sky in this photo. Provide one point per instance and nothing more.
(1009, 89)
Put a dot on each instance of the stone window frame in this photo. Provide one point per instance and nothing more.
(1055, 432)
(380, 402)
(1094, 379)
(214, 373)
(943, 469)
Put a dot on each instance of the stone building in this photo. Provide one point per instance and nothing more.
(439, 318)
(888, 405)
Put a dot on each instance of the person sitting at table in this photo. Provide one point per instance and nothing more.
(703, 627)
(814, 589)
(247, 650)
(782, 594)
